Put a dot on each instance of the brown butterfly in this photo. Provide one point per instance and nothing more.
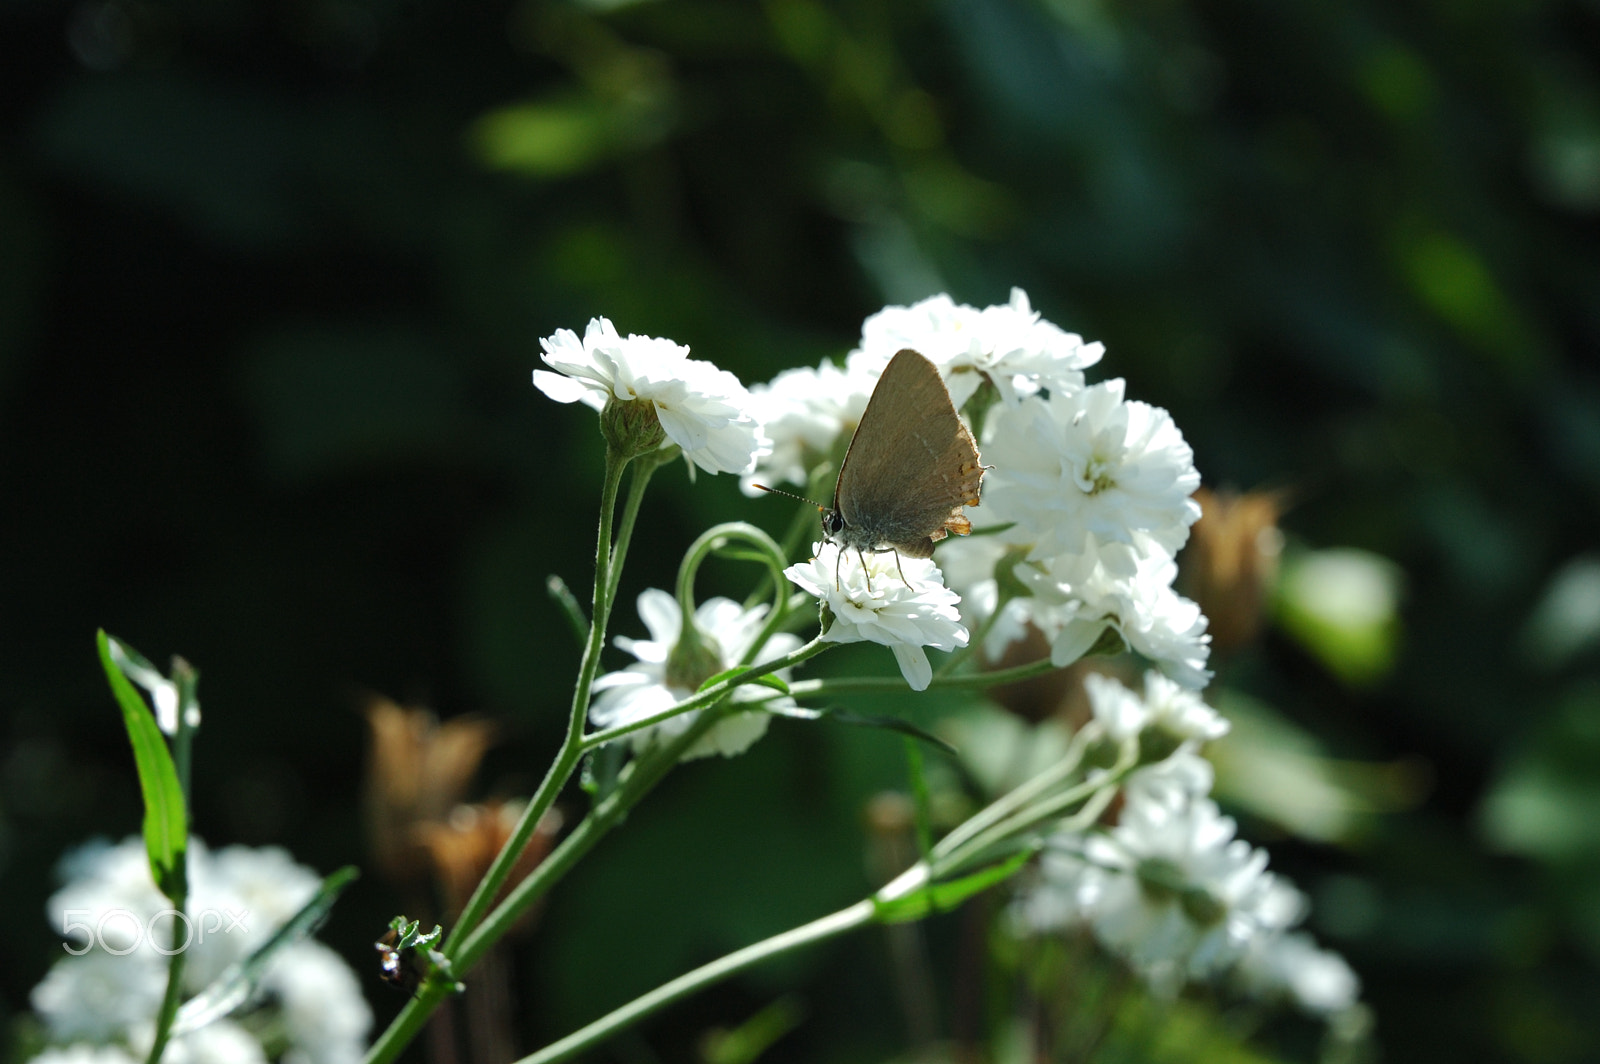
(912, 465)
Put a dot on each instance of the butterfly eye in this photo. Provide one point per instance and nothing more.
(832, 522)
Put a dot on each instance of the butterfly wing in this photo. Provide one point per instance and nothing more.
(911, 465)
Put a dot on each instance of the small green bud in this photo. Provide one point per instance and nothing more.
(631, 427)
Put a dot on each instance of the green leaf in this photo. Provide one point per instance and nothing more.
(895, 724)
(768, 680)
(563, 597)
(166, 820)
(238, 981)
(942, 897)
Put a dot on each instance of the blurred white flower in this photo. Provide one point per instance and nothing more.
(1077, 596)
(324, 1013)
(1086, 463)
(702, 409)
(1164, 706)
(805, 412)
(219, 1042)
(101, 883)
(870, 602)
(238, 898)
(1179, 711)
(100, 996)
(1009, 344)
(1169, 889)
(1176, 779)
(647, 687)
(84, 1053)
(1317, 981)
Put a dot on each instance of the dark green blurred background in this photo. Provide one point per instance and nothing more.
(272, 279)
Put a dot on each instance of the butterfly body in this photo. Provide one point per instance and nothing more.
(912, 465)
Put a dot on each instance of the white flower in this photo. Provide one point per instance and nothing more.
(1121, 712)
(1078, 596)
(83, 1053)
(219, 1042)
(1179, 712)
(806, 412)
(1008, 344)
(100, 995)
(871, 602)
(1165, 706)
(324, 1013)
(702, 409)
(1170, 889)
(1180, 777)
(108, 889)
(1090, 463)
(644, 689)
(1318, 981)
(240, 896)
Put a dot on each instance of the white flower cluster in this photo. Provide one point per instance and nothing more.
(100, 1006)
(1168, 887)
(1096, 487)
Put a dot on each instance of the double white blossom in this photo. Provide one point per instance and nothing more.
(702, 409)
(1078, 596)
(1164, 706)
(1009, 345)
(1168, 888)
(806, 413)
(871, 601)
(725, 631)
(1087, 463)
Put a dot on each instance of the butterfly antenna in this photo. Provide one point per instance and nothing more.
(792, 495)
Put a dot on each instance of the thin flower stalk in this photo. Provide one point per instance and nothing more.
(847, 919)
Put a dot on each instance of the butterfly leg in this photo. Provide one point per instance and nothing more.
(902, 572)
(864, 570)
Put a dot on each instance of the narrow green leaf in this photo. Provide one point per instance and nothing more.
(768, 680)
(563, 597)
(942, 897)
(895, 724)
(166, 821)
(238, 980)
(922, 801)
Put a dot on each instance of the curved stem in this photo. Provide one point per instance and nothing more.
(714, 539)
(836, 923)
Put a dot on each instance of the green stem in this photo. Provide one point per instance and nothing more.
(405, 1026)
(850, 684)
(710, 695)
(1009, 803)
(636, 781)
(834, 924)
(175, 963)
(566, 760)
(643, 468)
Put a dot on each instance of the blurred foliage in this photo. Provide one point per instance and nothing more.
(271, 283)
